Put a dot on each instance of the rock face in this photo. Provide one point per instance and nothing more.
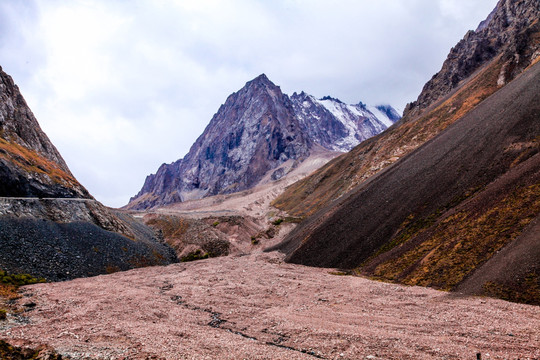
(259, 131)
(460, 210)
(506, 32)
(30, 165)
(50, 226)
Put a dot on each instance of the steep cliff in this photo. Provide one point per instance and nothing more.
(510, 32)
(50, 226)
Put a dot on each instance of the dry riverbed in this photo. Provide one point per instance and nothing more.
(257, 307)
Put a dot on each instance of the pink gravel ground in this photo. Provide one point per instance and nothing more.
(257, 307)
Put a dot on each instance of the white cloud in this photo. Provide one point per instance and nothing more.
(123, 86)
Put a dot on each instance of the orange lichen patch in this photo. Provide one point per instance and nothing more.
(33, 162)
(463, 241)
(8, 292)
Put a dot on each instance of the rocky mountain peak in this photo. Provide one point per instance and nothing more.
(260, 80)
(328, 97)
(508, 32)
(258, 133)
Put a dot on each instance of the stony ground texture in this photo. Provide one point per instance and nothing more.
(257, 307)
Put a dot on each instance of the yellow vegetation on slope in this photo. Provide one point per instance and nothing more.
(463, 241)
(33, 163)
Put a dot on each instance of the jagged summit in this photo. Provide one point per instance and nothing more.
(506, 34)
(338, 126)
(328, 97)
(258, 133)
(260, 83)
(261, 79)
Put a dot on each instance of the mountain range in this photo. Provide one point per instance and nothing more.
(260, 134)
(446, 196)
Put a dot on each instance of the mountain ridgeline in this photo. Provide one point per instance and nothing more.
(449, 196)
(260, 134)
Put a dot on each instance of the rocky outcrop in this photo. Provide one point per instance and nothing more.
(30, 165)
(253, 135)
(508, 32)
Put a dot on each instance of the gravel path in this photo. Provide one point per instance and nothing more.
(257, 307)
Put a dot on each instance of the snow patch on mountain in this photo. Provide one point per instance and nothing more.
(382, 117)
(339, 126)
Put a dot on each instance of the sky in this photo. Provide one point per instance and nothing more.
(121, 87)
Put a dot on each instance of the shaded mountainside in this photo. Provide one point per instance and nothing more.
(30, 165)
(446, 209)
(260, 133)
(50, 226)
(514, 45)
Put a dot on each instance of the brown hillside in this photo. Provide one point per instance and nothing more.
(407, 224)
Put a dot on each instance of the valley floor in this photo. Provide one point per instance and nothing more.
(257, 307)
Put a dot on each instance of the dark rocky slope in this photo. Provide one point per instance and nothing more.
(260, 133)
(50, 226)
(446, 209)
(62, 251)
(512, 34)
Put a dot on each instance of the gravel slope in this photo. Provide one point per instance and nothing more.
(57, 251)
(257, 307)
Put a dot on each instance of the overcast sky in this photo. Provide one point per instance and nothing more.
(121, 87)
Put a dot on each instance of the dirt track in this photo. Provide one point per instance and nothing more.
(257, 307)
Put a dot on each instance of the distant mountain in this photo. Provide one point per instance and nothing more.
(457, 212)
(258, 133)
(50, 226)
